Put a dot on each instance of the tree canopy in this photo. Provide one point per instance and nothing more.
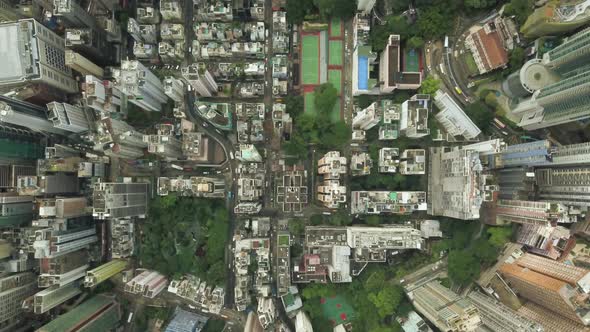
(479, 4)
(429, 85)
(480, 114)
(463, 267)
(185, 235)
(325, 97)
(336, 8)
(415, 42)
(521, 9)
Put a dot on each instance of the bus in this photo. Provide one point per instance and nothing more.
(499, 123)
(458, 89)
(446, 41)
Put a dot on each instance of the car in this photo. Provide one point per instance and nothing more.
(205, 124)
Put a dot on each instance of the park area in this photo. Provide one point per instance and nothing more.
(336, 309)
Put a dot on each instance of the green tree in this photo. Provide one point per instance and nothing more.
(336, 8)
(429, 85)
(435, 22)
(373, 220)
(521, 9)
(325, 97)
(499, 235)
(415, 42)
(297, 9)
(480, 114)
(375, 281)
(479, 4)
(394, 25)
(463, 267)
(316, 219)
(484, 251)
(295, 147)
(296, 227)
(294, 105)
(516, 58)
(387, 300)
(336, 135)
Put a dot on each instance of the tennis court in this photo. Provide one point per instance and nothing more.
(412, 61)
(335, 27)
(309, 104)
(335, 77)
(335, 49)
(336, 310)
(310, 55)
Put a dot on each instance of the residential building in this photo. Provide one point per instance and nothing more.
(164, 143)
(444, 308)
(171, 10)
(384, 202)
(15, 210)
(558, 84)
(391, 73)
(367, 118)
(104, 272)
(68, 117)
(453, 119)
(530, 212)
(360, 163)
(283, 264)
(186, 321)
(549, 284)
(413, 162)
(174, 89)
(550, 320)
(457, 184)
(50, 243)
(413, 122)
(93, 44)
(100, 312)
(565, 185)
(291, 190)
(200, 79)
(23, 65)
(365, 6)
(82, 65)
(388, 160)
(148, 284)
(498, 317)
(14, 289)
(332, 165)
(119, 200)
(72, 14)
(302, 322)
(194, 186)
(413, 323)
(101, 95)
(26, 115)
(331, 193)
(54, 184)
(53, 296)
(363, 58)
(62, 207)
(122, 238)
(140, 85)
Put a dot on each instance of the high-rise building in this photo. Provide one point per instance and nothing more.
(119, 200)
(15, 210)
(67, 117)
(53, 296)
(174, 88)
(365, 6)
(565, 185)
(92, 44)
(555, 18)
(530, 212)
(141, 86)
(367, 118)
(82, 65)
(148, 283)
(99, 313)
(454, 120)
(26, 115)
(456, 183)
(200, 79)
(331, 193)
(444, 308)
(332, 165)
(44, 63)
(549, 284)
(414, 116)
(559, 85)
(550, 320)
(164, 143)
(123, 140)
(104, 272)
(384, 202)
(53, 184)
(500, 318)
(101, 95)
(50, 243)
(14, 288)
(72, 14)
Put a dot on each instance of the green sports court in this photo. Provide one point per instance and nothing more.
(336, 309)
(412, 63)
(335, 77)
(335, 50)
(310, 55)
(335, 27)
